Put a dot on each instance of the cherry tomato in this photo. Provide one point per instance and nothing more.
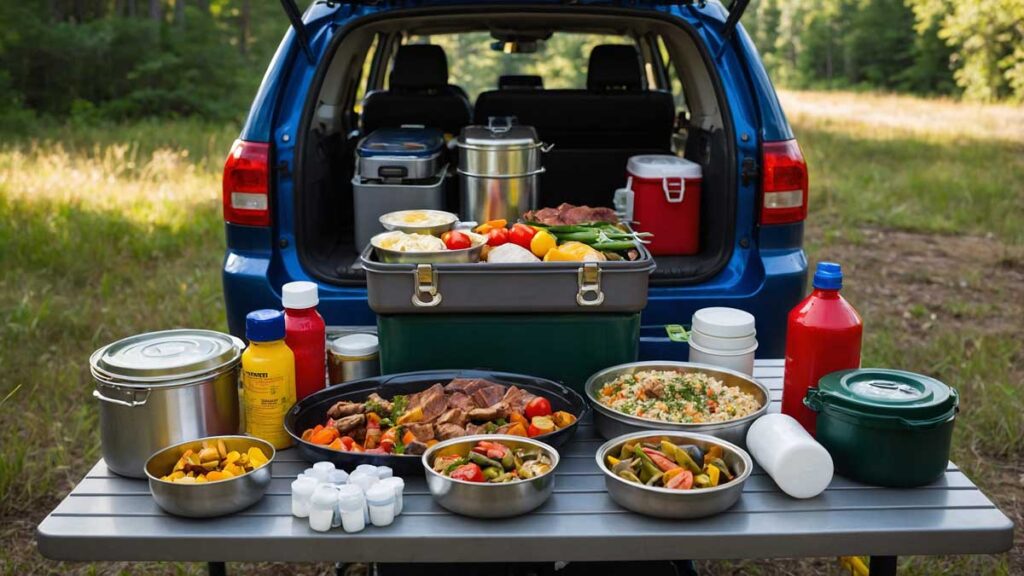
(456, 240)
(681, 481)
(468, 472)
(521, 234)
(533, 431)
(539, 406)
(497, 237)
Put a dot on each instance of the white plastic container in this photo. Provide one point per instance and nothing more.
(798, 464)
(338, 477)
(381, 501)
(384, 472)
(321, 507)
(398, 487)
(322, 471)
(724, 337)
(302, 490)
(352, 504)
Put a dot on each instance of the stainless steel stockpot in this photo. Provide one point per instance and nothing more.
(162, 388)
(499, 166)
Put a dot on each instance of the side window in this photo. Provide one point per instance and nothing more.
(364, 75)
(675, 84)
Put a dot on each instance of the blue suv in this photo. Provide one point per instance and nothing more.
(691, 83)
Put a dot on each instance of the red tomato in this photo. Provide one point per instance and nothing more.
(497, 237)
(539, 406)
(660, 460)
(468, 472)
(521, 234)
(456, 240)
(533, 431)
(681, 481)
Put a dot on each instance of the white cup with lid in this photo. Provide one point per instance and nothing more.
(724, 337)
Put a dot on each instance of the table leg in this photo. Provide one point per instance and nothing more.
(217, 569)
(883, 566)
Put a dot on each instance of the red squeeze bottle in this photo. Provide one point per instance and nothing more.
(305, 334)
(823, 336)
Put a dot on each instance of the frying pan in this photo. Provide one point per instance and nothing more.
(312, 410)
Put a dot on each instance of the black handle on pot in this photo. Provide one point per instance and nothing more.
(813, 399)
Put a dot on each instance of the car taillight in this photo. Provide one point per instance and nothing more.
(783, 183)
(246, 184)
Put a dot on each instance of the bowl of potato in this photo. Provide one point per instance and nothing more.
(211, 476)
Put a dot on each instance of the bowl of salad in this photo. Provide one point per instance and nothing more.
(671, 474)
(492, 476)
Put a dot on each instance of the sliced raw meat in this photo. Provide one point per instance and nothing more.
(446, 431)
(517, 398)
(454, 416)
(424, 432)
(567, 214)
(461, 401)
(468, 385)
(488, 395)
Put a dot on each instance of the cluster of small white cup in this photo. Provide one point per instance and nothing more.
(330, 497)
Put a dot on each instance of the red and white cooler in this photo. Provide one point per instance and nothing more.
(664, 191)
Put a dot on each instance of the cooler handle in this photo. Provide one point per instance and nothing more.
(674, 195)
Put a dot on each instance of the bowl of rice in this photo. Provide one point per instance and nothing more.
(677, 396)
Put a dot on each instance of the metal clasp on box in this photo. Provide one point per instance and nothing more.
(588, 278)
(425, 292)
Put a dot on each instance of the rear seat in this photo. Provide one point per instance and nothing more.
(594, 131)
(615, 111)
(418, 93)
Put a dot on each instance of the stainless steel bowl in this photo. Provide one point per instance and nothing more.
(388, 221)
(470, 255)
(679, 504)
(484, 500)
(612, 423)
(212, 498)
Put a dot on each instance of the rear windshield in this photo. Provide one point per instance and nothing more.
(560, 61)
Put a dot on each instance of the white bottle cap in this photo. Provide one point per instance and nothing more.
(395, 483)
(338, 477)
(723, 322)
(363, 479)
(299, 295)
(324, 467)
(380, 495)
(324, 496)
(304, 485)
(356, 345)
(384, 472)
(367, 468)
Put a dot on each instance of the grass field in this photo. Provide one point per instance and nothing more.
(113, 231)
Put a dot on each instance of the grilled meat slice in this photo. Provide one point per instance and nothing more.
(567, 214)
(454, 416)
(416, 447)
(517, 399)
(345, 408)
(384, 405)
(424, 431)
(472, 429)
(432, 401)
(467, 385)
(496, 412)
(446, 431)
(461, 401)
(349, 423)
(488, 395)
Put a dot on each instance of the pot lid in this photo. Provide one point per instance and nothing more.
(662, 166)
(497, 135)
(166, 355)
(723, 322)
(892, 393)
(355, 345)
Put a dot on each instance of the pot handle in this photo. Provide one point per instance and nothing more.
(812, 400)
(126, 403)
(545, 148)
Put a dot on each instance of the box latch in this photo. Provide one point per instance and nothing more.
(588, 278)
(425, 292)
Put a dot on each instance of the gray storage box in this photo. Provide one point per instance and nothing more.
(373, 199)
(542, 287)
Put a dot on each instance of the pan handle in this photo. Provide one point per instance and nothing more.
(126, 403)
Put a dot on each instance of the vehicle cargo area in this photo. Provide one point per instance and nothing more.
(637, 85)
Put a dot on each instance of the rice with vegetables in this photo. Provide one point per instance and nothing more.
(669, 396)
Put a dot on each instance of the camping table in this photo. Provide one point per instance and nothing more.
(107, 517)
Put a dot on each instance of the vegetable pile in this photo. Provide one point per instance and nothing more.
(658, 462)
(214, 462)
(410, 424)
(495, 463)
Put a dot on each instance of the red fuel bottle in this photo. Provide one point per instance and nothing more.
(823, 336)
(305, 334)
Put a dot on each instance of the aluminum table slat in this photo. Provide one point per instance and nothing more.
(107, 517)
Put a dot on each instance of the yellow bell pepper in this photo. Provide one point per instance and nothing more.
(713, 473)
(411, 416)
(542, 243)
(573, 252)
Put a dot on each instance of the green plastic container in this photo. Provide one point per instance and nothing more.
(885, 427)
(567, 348)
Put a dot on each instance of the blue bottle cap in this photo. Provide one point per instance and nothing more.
(264, 325)
(828, 276)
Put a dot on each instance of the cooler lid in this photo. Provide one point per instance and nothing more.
(881, 394)
(662, 166)
(723, 322)
(158, 357)
(406, 141)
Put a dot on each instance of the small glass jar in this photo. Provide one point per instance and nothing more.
(302, 490)
(352, 505)
(321, 507)
(353, 357)
(381, 501)
(397, 485)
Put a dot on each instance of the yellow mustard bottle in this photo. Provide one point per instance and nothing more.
(268, 378)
